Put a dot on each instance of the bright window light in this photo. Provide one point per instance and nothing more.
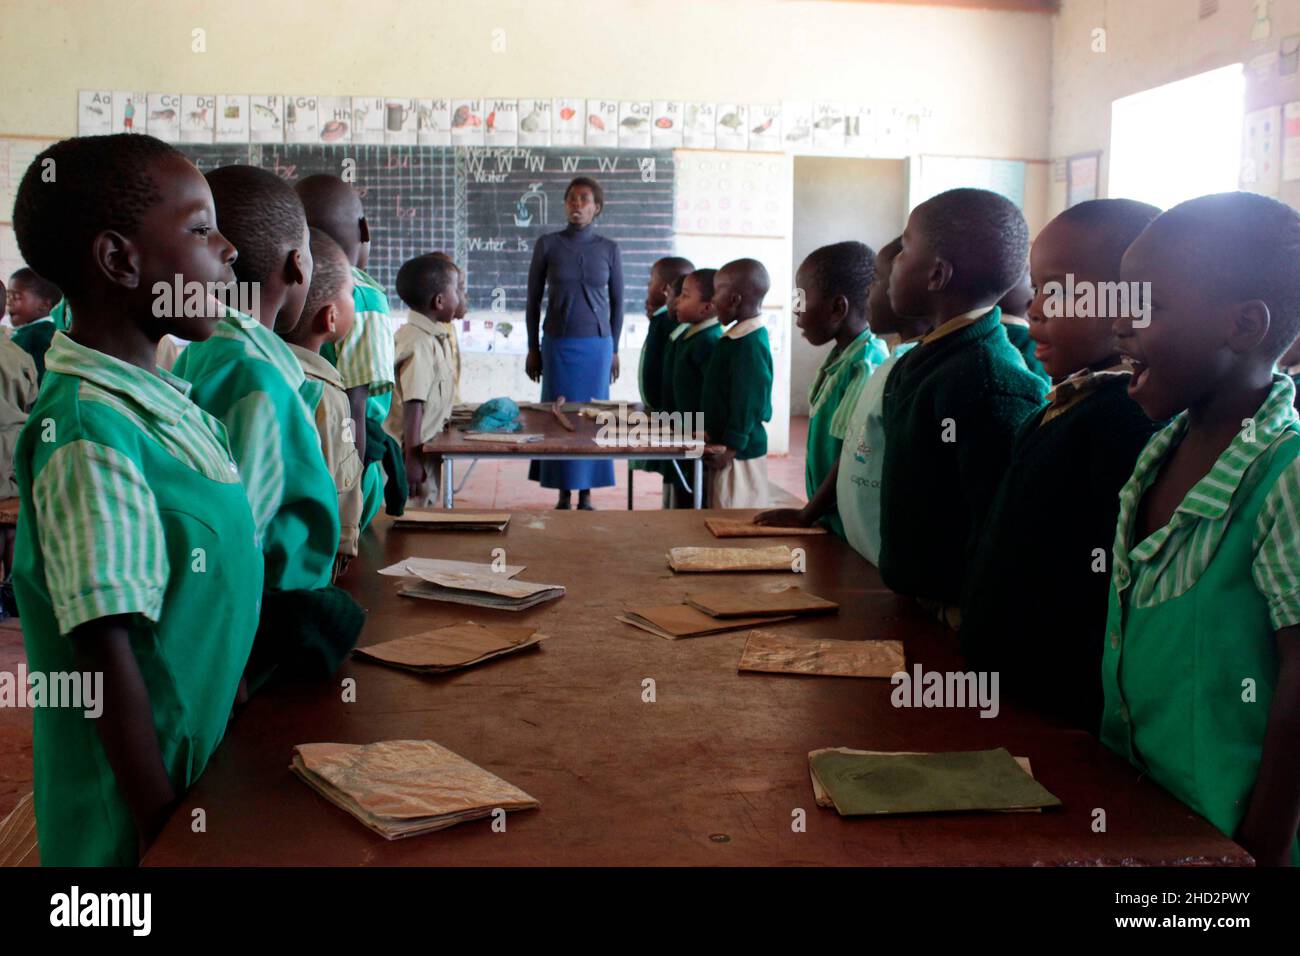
(1178, 141)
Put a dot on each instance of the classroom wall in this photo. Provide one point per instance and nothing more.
(980, 78)
(1150, 43)
(837, 199)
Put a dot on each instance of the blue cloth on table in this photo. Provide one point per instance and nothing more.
(496, 415)
(578, 369)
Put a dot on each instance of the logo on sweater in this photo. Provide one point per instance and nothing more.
(633, 428)
(1098, 300)
(949, 689)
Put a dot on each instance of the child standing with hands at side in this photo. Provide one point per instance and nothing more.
(426, 378)
(738, 390)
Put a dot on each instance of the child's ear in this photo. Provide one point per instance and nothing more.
(294, 273)
(840, 308)
(327, 319)
(364, 228)
(116, 257)
(940, 275)
(1250, 324)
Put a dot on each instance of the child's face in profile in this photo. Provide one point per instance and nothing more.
(1181, 355)
(655, 293)
(880, 314)
(670, 300)
(726, 303)
(1066, 341)
(178, 236)
(818, 321)
(24, 304)
(447, 302)
(909, 280)
(691, 305)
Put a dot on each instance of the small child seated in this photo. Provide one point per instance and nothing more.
(29, 300)
(833, 281)
(429, 285)
(1201, 660)
(954, 403)
(326, 318)
(738, 390)
(1036, 588)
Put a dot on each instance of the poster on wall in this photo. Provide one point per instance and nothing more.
(797, 121)
(367, 119)
(765, 127)
(402, 121)
(828, 127)
(232, 118)
(634, 124)
(335, 119)
(467, 123)
(666, 131)
(301, 119)
(568, 116)
(165, 116)
(433, 126)
(198, 118)
(501, 125)
(1291, 142)
(94, 112)
(602, 123)
(535, 122)
(130, 112)
(698, 127)
(1261, 151)
(732, 126)
(266, 119)
(1081, 178)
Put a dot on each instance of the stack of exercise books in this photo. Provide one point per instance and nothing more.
(402, 788)
(717, 612)
(472, 583)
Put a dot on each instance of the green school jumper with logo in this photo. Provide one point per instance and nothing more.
(1173, 671)
(130, 505)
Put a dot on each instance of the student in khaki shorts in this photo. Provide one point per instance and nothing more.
(425, 369)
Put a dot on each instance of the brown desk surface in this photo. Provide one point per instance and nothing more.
(708, 774)
(556, 440)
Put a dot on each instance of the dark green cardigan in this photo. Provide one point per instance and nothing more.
(652, 359)
(1019, 337)
(970, 387)
(1035, 601)
(690, 359)
(738, 393)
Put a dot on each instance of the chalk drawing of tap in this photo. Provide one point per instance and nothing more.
(524, 215)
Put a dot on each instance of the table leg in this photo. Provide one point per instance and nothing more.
(629, 484)
(699, 483)
(448, 484)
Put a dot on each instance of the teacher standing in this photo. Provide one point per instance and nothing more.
(574, 353)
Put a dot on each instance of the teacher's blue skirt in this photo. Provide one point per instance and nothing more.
(578, 369)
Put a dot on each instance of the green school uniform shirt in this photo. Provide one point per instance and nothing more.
(248, 378)
(1193, 612)
(690, 359)
(366, 356)
(130, 505)
(652, 358)
(62, 315)
(1017, 330)
(738, 390)
(831, 400)
(34, 338)
(862, 461)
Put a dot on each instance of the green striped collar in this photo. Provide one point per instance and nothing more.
(261, 342)
(361, 277)
(163, 395)
(1211, 497)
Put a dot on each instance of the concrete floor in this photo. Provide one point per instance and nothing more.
(491, 485)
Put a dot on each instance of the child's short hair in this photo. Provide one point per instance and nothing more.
(679, 283)
(844, 268)
(261, 214)
(597, 194)
(984, 237)
(703, 279)
(1247, 246)
(673, 266)
(329, 274)
(1117, 221)
(423, 277)
(98, 183)
(41, 288)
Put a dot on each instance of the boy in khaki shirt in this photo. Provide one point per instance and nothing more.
(425, 368)
(327, 317)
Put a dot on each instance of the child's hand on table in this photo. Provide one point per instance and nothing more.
(783, 518)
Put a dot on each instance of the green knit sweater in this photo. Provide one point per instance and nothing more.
(652, 359)
(1019, 337)
(690, 359)
(1035, 602)
(951, 411)
(738, 394)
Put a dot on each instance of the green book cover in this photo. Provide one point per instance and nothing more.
(863, 784)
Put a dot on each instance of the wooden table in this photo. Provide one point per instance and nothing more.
(559, 444)
(711, 772)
